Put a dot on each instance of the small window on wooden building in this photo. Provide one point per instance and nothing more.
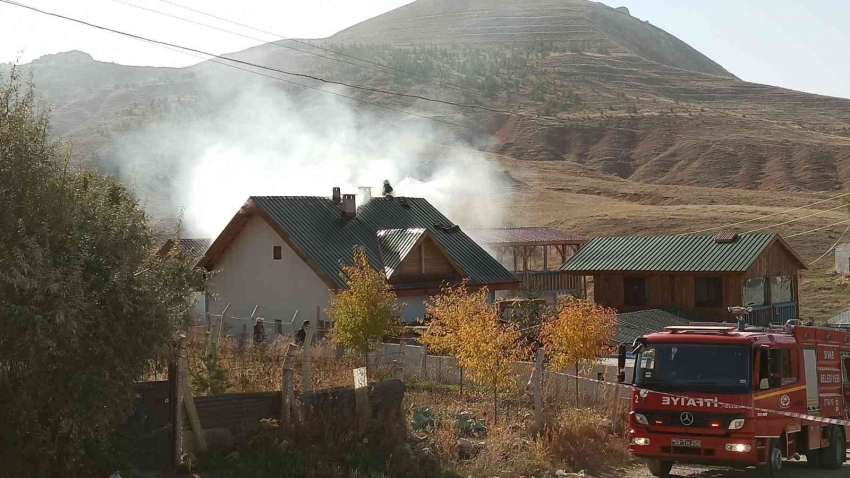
(781, 289)
(754, 291)
(277, 253)
(708, 291)
(635, 291)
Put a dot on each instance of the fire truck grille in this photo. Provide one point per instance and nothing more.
(689, 419)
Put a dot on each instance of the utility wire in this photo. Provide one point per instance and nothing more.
(283, 37)
(213, 58)
(382, 70)
(269, 68)
(725, 226)
(833, 246)
(797, 219)
(818, 229)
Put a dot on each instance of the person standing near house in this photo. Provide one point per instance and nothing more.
(259, 331)
(301, 335)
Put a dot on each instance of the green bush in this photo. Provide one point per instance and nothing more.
(86, 309)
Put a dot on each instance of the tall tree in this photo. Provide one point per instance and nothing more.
(86, 308)
(577, 333)
(366, 310)
(465, 324)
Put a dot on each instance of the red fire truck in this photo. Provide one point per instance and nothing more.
(709, 394)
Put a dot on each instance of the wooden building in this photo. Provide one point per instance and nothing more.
(698, 275)
(535, 256)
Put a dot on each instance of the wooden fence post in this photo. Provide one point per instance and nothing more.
(176, 410)
(221, 321)
(538, 391)
(185, 392)
(286, 393)
(399, 366)
(361, 397)
(306, 359)
(615, 409)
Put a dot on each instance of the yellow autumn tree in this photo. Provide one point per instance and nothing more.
(366, 310)
(577, 333)
(466, 325)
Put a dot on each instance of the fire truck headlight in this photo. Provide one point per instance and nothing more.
(640, 441)
(640, 418)
(738, 447)
(737, 424)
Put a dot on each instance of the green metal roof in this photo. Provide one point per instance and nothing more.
(396, 244)
(316, 226)
(680, 253)
(631, 325)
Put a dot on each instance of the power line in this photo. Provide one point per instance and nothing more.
(214, 57)
(817, 229)
(336, 52)
(269, 68)
(725, 226)
(382, 70)
(797, 219)
(833, 246)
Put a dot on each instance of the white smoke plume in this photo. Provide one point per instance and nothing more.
(264, 141)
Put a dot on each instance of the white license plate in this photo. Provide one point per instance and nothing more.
(686, 443)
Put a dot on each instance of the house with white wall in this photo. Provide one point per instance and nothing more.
(283, 255)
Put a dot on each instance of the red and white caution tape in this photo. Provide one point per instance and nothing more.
(811, 418)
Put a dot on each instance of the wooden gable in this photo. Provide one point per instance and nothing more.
(426, 262)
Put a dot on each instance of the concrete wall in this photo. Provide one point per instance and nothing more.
(249, 276)
(842, 259)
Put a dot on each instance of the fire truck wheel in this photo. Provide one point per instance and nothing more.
(833, 456)
(774, 460)
(659, 468)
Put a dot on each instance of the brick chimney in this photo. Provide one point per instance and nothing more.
(349, 206)
(336, 197)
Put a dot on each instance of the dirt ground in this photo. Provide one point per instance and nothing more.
(790, 469)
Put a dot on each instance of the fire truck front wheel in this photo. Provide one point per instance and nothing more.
(774, 460)
(660, 468)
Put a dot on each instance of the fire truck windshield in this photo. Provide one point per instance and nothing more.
(704, 368)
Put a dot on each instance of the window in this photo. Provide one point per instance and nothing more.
(635, 291)
(754, 291)
(781, 290)
(780, 369)
(708, 291)
(277, 253)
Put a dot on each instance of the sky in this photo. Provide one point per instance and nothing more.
(802, 45)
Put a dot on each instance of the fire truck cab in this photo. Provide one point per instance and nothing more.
(723, 394)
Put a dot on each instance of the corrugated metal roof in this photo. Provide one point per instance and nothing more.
(841, 320)
(187, 247)
(396, 244)
(518, 235)
(678, 253)
(315, 226)
(631, 325)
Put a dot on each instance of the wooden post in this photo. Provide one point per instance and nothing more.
(286, 392)
(399, 369)
(306, 372)
(185, 397)
(221, 321)
(538, 391)
(361, 397)
(615, 409)
(423, 366)
(176, 410)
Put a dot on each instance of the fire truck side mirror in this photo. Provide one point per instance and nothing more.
(621, 364)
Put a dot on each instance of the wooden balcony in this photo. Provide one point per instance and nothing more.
(548, 282)
(775, 314)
